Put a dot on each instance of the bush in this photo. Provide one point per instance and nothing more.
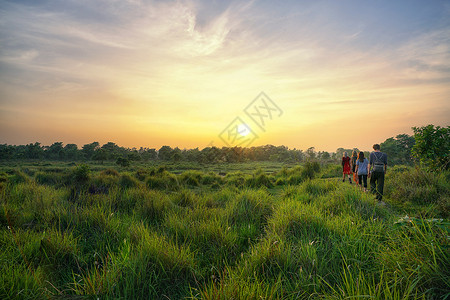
(3, 177)
(102, 184)
(259, 179)
(310, 169)
(48, 178)
(141, 174)
(81, 173)
(211, 178)
(154, 206)
(18, 177)
(163, 181)
(236, 179)
(432, 146)
(109, 172)
(126, 181)
(418, 186)
(331, 171)
(123, 162)
(192, 178)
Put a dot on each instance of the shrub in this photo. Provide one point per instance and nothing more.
(331, 171)
(102, 183)
(250, 206)
(54, 179)
(432, 146)
(18, 177)
(280, 181)
(154, 205)
(3, 177)
(236, 179)
(192, 178)
(141, 174)
(419, 186)
(109, 172)
(211, 178)
(310, 169)
(259, 179)
(185, 198)
(126, 181)
(163, 181)
(123, 162)
(81, 173)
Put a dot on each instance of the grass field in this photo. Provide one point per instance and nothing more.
(235, 231)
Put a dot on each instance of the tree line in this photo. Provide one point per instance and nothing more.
(429, 145)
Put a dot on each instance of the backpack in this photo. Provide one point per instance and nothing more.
(378, 165)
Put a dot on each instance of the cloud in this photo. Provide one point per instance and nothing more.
(190, 64)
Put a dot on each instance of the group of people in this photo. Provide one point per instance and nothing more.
(361, 169)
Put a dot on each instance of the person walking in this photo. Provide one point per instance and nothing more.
(362, 169)
(346, 167)
(353, 165)
(377, 167)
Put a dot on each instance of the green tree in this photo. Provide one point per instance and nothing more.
(71, 151)
(100, 155)
(112, 150)
(148, 154)
(165, 153)
(34, 151)
(432, 146)
(88, 150)
(311, 152)
(398, 149)
(123, 162)
(55, 151)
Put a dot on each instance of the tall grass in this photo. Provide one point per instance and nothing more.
(415, 186)
(281, 235)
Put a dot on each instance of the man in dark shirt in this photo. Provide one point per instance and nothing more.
(377, 167)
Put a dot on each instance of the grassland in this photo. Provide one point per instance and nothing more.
(237, 231)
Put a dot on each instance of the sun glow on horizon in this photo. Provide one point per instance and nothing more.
(177, 73)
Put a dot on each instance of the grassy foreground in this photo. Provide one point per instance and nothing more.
(294, 233)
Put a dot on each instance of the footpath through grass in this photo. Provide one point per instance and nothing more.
(151, 234)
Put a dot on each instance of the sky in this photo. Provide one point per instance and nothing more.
(323, 74)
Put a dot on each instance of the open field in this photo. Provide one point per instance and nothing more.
(231, 231)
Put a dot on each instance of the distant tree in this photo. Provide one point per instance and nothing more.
(7, 151)
(88, 150)
(55, 151)
(432, 147)
(297, 155)
(398, 149)
(111, 149)
(192, 154)
(340, 152)
(133, 155)
(283, 153)
(100, 155)
(323, 155)
(148, 154)
(212, 155)
(176, 155)
(165, 153)
(123, 161)
(311, 153)
(34, 151)
(71, 151)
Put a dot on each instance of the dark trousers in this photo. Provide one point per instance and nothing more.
(377, 184)
(361, 179)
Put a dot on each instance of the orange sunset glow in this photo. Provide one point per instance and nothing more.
(152, 73)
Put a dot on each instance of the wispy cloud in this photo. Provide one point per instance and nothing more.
(176, 63)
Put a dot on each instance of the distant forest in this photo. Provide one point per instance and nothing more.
(400, 147)
(427, 143)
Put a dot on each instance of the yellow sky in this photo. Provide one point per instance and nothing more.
(177, 73)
